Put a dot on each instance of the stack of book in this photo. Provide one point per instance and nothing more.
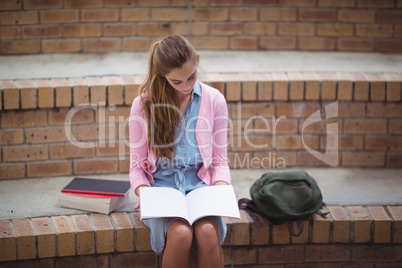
(95, 195)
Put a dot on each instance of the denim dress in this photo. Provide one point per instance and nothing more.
(181, 174)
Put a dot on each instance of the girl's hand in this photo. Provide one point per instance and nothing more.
(220, 183)
(137, 206)
(137, 192)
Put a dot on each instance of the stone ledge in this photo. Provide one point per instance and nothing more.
(121, 90)
(349, 235)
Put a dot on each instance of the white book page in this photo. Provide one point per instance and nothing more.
(212, 201)
(158, 202)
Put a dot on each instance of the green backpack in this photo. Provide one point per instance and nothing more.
(284, 197)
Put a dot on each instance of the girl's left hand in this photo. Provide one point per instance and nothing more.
(220, 183)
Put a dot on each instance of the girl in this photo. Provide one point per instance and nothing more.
(178, 139)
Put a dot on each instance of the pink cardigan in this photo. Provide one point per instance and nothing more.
(211, 135)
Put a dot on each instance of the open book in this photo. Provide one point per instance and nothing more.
(160, 202)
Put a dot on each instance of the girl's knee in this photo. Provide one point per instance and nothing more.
(180, 233)
(206, 230)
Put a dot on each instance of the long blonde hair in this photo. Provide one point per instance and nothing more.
(164, 56)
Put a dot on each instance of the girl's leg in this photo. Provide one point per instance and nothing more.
(209, 249)
(178, 244)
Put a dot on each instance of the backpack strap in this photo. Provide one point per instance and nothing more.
(248, 206)
(299, 227)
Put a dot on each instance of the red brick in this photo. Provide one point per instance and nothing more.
(375, 3)
(341, 225)
(233, 91)
(142, 234)
(393, 87)
(210, 42)
(152, 3)
(99, 261)
(12, 171)
(374, 30)
(84, 30)
(63, 92)
(241, 229)
(303, 238)
(78, 4)
(49, 168)
(361, 224)
(65, 236)
(145, 259)
(355, 44)
(350, 142)
(388, 16)
(321, 228)
(101, 45)
(85, 234)
(278, 14)
(45, 236)
(8, 247)
(327, 253)
(45, 94)
(26, 239)
(153, 29)
(247, 43)
(29, 94)
(389, 45)
(95, 166)
(345, 86)
(282, 43)
(25, 153)
(82, 115)
(312, 84)
(137, 44)
(48, 4)
(135, 14)
(114, 90)
(382, 224)
(352, 15)
(351, 110)
(118, 29)
(169, 14)
(259, 28)
(20, 47)
(19, 17)
(244, 256)
(124, 232)
(243, 14)
(99, 15)
(316, 15)
(328, 86)
(11, 136)
(46, 31)
(296, 87)
(10, 5)
(210, 14)
(365, 126)
(338, 29)
(396, 213)
(58, 16)
(11, 98)
(61, 46)
(394, 160)
(264, 90)
(377, 253)
(80, 91)
(316, 43)
(395, 127)
(298, 29)
(296, 109)
(280, 234)
(336, 3)
(363, 159)
(10, 32)
(112, 114)
(281, 254)
(260, 234)
(104, 233)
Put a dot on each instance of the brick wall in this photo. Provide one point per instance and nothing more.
(353, 236)
(59, 26)
(79, 126)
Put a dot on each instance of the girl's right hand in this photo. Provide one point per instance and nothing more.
(137, 191)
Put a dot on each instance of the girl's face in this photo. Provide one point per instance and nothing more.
(183, 79)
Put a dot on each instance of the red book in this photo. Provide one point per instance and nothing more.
(106, 188)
